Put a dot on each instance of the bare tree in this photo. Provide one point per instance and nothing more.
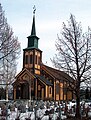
(74, 56)
(9, 51)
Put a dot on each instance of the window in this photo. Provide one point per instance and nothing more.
(39, 60)
(26, 59)
(36, 59)
(51, 81)
(50, 90)
(65, 84)
(31, 59)
(57, 88)
(38, 87)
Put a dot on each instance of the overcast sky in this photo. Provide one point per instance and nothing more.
(49, 17)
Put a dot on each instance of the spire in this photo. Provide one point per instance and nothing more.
(33, 39)
(33, 31)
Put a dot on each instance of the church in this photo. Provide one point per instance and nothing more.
(37, 81)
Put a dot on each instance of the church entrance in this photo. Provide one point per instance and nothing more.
(22, 91)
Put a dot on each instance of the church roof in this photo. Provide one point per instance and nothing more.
(57, 74)
(39, 77)
(31, 48)
(44, 80)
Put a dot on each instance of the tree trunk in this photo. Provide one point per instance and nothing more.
(6, 92)
(78, 115)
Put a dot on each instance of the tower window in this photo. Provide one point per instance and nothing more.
(36, 59)
(26, 59)
(39, 60)
(31, 59)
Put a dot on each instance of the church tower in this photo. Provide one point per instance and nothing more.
(32, 55)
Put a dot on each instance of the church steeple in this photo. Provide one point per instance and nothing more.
(33, 31)
(32, 55)
(33, 39)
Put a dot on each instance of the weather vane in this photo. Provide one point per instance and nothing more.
(34, 9)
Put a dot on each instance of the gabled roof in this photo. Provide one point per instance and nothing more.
(24, 70)
(42, 78)
(57, 74)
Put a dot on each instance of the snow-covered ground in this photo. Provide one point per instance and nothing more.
(40, 113)
(39, 110)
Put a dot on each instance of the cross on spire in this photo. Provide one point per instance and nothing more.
(33, 39)
(34, 9)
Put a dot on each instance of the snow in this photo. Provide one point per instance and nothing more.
(40, 111)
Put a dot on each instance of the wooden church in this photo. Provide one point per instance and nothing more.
(38, 81)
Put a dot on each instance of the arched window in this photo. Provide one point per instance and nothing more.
(26, 59)
(35, 59)
(38, 60)
(57, 87)
(31, 59)
(38, 87)
(50, 90)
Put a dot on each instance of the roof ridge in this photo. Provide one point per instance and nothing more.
(54, 68)
(57, 72)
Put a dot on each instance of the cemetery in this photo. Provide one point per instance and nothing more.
(42, 110)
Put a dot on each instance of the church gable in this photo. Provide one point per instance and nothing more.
(23, 76)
